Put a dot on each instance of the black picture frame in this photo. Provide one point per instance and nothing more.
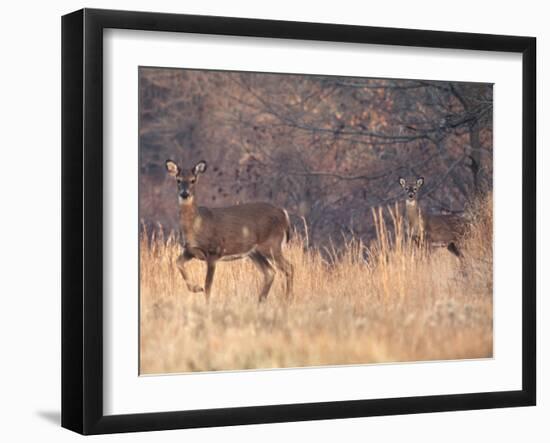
(82, 219)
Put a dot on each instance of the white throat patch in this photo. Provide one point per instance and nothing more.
(185, 201)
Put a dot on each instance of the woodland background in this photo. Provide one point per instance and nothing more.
(328, 149)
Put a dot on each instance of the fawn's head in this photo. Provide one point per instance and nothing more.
(411, 187)
(186, 180)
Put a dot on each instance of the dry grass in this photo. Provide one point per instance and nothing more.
(388, 302)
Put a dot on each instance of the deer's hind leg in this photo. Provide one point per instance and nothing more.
(453, 249)
(180, 263)
(267, 270)
(286, 268)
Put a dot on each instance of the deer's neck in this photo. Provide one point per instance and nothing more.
(189, 219)
(413, 214)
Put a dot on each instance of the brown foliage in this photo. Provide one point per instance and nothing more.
(328, 149)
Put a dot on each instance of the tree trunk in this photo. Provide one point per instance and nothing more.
(475, 156)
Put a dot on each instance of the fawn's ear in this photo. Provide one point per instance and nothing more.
(419, 182)
(402, 182)
(199, 168)
(172, 168)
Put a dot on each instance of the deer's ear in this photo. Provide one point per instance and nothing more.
(172, 168)
(402, 182)
(419, 182)
(199, 168)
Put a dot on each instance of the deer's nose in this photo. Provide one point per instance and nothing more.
(184, 193)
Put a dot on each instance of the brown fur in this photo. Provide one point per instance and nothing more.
(437, 229)
(254, 230)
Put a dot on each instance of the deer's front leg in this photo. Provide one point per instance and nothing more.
(180, 263)
(211, 268)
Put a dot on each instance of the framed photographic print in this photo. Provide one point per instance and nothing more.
(270, 221)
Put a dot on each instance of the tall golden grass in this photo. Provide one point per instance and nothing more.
(389, 301)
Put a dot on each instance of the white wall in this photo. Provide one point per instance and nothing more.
(30, 217)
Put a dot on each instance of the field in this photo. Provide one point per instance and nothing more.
(388, 301)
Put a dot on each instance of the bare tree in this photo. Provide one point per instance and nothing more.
(326, 148)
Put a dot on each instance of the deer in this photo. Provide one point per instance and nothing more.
(253, 230)
(437, 229)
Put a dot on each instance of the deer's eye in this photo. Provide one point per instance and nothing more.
(414, 189)
(193, 180)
